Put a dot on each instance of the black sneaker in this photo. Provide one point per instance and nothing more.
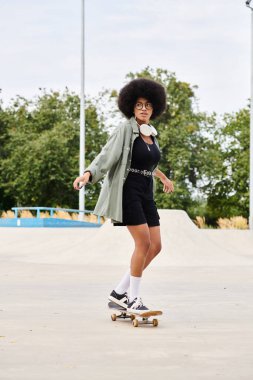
(136, 306)
(119, 299)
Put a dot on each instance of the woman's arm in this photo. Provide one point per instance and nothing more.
(168, 186)
(108, 156)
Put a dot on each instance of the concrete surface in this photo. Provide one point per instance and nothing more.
(54, 323)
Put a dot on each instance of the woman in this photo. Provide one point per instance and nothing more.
(130, 160)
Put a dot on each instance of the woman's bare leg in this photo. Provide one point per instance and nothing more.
(141, 236)
(147, 245)
(155, 245)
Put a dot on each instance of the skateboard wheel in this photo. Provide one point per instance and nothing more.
(155, 322)
(132, 317)
(135, 323)
(114, 317)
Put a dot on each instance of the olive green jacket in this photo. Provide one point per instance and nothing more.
(114, 160)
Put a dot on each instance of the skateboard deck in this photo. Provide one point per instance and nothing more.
(136, 318)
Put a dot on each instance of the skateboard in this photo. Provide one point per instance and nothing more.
(136, 318)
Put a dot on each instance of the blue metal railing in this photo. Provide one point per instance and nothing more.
(52, 209)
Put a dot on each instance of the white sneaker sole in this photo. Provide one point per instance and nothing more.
(137, 311)
(118, 302)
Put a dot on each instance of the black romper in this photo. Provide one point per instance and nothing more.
(139, 206)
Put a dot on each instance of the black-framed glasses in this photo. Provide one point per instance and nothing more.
(148, 106)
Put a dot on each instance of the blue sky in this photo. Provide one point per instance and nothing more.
(206, 43)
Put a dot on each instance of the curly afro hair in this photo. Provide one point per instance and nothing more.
(142, 88)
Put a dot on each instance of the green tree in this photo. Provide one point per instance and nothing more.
(41, 153)
(206, 157)
(5, 122)
(228, 193)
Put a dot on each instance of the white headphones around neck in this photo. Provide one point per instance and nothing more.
(147, 130)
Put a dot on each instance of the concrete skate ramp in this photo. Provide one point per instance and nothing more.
(183, 244)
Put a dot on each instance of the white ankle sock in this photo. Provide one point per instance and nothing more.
(124, 283)
(135, 283)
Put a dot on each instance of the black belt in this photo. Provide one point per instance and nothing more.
(147, 173)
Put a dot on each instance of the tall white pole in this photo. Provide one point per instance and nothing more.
(251, 134)
(82, 113)
(248, 4)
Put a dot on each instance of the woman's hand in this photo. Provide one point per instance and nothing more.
(168, 186)
(79, 182)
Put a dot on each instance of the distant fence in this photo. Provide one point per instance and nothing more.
(50, 221)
